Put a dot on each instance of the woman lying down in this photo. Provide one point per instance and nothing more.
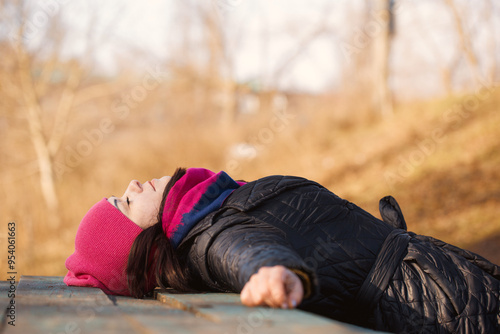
(284, 242)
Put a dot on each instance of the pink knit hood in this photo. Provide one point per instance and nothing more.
(102, 245)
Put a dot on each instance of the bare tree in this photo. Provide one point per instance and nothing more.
(381, 53)
(25, 90)
(367, 52)
(205, 58)
(221, 37)
(465, 42)
(47, 105)
(301, 46)
(489, 16)
(447, 68)
(220, 66)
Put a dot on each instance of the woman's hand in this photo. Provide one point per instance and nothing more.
(273, 286)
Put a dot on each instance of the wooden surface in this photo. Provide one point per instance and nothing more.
(46, 305)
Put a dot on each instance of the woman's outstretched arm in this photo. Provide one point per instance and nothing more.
(255, 259)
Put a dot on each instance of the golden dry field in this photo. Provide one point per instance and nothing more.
(438, 158)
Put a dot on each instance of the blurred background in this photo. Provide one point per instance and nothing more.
(367, 97)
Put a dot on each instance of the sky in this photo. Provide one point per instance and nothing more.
(150, 26)
(264, 34)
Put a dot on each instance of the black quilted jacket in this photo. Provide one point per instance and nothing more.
(362, 270)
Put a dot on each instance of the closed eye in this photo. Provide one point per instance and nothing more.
(116, 203)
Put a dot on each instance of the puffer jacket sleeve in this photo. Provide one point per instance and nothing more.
(236, 247)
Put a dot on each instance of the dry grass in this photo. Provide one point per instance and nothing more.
(447, 184)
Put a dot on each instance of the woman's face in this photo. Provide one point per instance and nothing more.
(141, 202)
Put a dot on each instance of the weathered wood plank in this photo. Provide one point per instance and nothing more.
(6, 290)
(52, 290)
(155, 317)
(67, 319)
(47, 305)
(224, 308)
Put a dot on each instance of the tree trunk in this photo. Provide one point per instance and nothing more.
(40, 144)
(46, 168)
(381, 50)
(466, 44)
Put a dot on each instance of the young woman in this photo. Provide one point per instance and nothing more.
(283, 241)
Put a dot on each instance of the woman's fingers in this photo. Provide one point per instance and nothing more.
(276, 293)
(273, 286)
(257, 290)
(295, 289)
(246, 296)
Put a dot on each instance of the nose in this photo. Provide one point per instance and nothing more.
(135, 186)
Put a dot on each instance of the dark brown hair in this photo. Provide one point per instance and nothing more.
(153, 256)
